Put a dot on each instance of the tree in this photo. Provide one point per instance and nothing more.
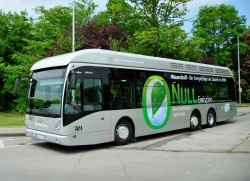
(173, 43)
(245, 65)
(55, 25)
(168, 40)
(90, 36)
(21, 67)
(84, 10)
(219, 25)
(52, 22)
(23, 43)
(122, 14)
(15, 29)
(158, 14)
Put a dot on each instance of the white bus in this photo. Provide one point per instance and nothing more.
(96, 96)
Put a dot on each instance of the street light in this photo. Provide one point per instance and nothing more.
(238, 44)
(73, 27)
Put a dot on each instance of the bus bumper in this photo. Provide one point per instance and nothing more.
(53, 138)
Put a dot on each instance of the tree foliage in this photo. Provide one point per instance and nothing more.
(219, 25)
(15, 29)
(172, 42)
(84, 10)
(156, 16)
(90, 36)
(157, 12)
(245, 66)
(149, 27)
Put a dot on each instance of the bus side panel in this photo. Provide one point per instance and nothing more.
(225, 111)
(91, 129)
(91, 138)
(177, 120)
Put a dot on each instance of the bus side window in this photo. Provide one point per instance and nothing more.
(198, 90)
(210, 90)
(121, 94)
(223, 92)
(231, 91)
(139, 89)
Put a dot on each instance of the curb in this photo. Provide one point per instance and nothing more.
(243, 147)
(12, 135)
(12, 131)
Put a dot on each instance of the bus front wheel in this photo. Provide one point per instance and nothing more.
(195, 122)
(123, 132)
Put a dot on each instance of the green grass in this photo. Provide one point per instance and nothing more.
(243, 105)
(12, 119)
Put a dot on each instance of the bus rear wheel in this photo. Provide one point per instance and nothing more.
(123, 132)
(211, 119)
(195, 121)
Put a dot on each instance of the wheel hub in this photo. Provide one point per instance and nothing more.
(210, 119)
(122, 132)
(194, 121)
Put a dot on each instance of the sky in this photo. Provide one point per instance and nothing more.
(242, 6)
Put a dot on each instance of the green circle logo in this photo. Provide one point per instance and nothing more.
(156, 102)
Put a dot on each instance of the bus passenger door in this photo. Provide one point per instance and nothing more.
(122, 99)
(95, 117)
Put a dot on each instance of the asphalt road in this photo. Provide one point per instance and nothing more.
(218, 153)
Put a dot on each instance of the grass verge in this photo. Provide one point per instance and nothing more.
(12, 119)
(243, 105)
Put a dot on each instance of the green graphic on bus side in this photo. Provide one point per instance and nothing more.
(156, 102)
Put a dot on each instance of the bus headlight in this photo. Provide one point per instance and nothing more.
(28, 120)
(58, 125)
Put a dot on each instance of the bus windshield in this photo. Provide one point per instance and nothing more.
(45, 93)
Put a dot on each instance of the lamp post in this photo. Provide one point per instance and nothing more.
(73, 27)
(240, 89)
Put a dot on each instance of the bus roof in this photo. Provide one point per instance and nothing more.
(119, 59)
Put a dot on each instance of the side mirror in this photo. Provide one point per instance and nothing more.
(20, 77)
(16, 85)
(73, 80)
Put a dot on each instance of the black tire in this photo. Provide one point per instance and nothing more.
(211, 119)
(123, 132)
(195, 121)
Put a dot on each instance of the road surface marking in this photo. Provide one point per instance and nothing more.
(1, 143)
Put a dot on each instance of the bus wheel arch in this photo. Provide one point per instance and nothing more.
(195, 120)
(124, 131)
(211, 118)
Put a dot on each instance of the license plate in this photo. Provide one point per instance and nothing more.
(40, 137)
